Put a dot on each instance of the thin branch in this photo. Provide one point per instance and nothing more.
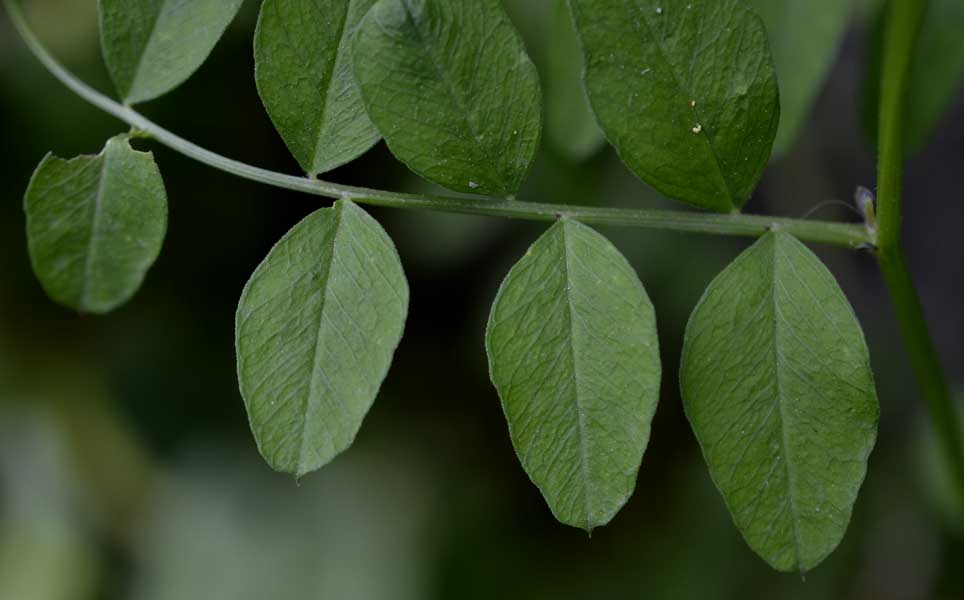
(838, 234)
(903, 24)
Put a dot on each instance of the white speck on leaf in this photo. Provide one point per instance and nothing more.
(698, 128)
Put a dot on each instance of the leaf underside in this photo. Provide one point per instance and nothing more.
(686, 92)
(573, 352)
(95, 225)
(152, 46)
(317, 327)
(777, 385)
(451, 89)
(304, 74)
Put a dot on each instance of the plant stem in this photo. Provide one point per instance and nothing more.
(839, 234)
(902, 30)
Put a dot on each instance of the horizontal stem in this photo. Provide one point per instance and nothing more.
(838, 234)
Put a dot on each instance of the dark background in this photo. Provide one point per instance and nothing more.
(127, 467)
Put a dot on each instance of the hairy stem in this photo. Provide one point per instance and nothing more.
(903, 24)
(839, 234)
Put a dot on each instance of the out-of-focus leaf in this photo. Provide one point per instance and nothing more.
(217, 513)
(804, 38)
(95, 225)
(317, 326)
(302, 53)
(574, 355)
(686, 92)
(571, 127)
(936, 476)
(45, 552)
(451, 89)
(777, 385)
(937, 73)
(153, 46)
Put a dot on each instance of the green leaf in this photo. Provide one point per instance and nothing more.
(574, 355)
(804, 38)
(686, 92)
(317, 326)
(777, 385)
(571, 128)
(153, 46)
(303, 70)
(451, 89)
(937, 73)
(95, 225)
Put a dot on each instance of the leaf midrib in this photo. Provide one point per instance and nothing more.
(705, 133)
(92, 239)
(784, 443)
(326, 267)
(580, 418)
(428, 47)
(143, 53)
(326, 86)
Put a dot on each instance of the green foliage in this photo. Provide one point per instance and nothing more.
(804, 38)
(452, 91)
(574, 355)
(571, 128)
(153, 46)
(302, 51)
(775, 376)
(317, 326)
(937, 74)
(777, 385)
(95, 225)
(686, 92)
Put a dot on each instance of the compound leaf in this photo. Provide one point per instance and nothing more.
(95, 225)
(574, 355)
(317, 326)
(451, 89)
(153, 46)
(303, 69)
(777, 385)
(686, 92)
(804, 38)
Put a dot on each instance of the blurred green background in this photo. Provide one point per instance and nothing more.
(127, 469)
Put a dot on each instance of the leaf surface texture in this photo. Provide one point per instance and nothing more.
(777, 385)
(574, 355)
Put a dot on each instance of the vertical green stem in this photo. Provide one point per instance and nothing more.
(903, 24)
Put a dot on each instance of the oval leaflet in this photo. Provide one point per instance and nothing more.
(776, 382)
(317, 327)
(303, 69)
(95, 225)
(573, 352)
(451, 89)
